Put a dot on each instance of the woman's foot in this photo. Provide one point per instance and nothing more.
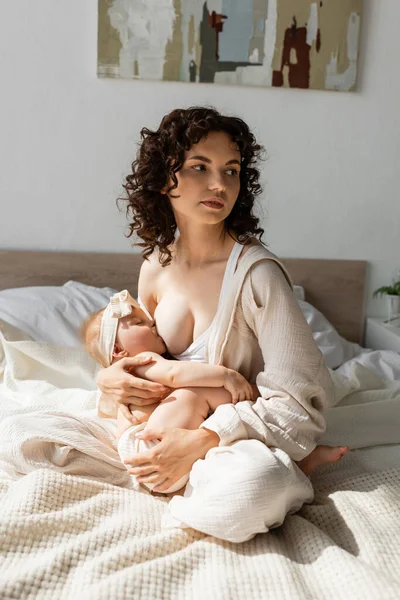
(320, 456)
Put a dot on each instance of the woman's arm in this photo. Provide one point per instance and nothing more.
(178, 374)
(295, 385)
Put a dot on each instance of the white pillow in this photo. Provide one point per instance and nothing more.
(52, 314)
(333, 346)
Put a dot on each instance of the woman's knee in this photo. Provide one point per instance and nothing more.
(247, 488)
(269, 472)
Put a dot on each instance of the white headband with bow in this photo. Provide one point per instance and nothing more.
(120, 306)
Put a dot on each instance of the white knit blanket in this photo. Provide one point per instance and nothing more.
(70, 527)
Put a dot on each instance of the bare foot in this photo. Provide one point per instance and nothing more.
(320, 456)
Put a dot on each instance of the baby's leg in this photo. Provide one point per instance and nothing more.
(187, 408)
(122, 423)
(141, 413)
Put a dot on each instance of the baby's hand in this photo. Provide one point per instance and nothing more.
(238, 387)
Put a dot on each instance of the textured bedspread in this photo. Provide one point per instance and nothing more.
(71, 527)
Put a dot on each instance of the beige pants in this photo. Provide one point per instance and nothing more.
(240, 490)
(236, 492)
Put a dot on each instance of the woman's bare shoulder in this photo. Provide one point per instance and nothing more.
(148, 282)
(151, 265)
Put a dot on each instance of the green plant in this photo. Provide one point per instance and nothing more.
(391, 290)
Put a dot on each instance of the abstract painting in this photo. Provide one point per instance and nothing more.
(280, 43)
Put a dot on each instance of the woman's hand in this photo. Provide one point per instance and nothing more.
(173, 457)
(118, 382)
(238, 387)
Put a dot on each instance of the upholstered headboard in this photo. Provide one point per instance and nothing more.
(335, 287)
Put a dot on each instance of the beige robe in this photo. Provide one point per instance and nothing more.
(261, 332)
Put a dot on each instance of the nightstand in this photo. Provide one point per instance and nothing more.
(383, 336)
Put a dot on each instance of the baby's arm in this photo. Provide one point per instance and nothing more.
(179, 374)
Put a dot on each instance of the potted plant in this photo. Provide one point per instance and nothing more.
(392, 292)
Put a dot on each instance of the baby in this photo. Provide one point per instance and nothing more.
(123, 329)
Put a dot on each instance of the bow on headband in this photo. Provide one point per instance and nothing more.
(120, 306)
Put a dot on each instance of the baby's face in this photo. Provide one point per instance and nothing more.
(137, 333)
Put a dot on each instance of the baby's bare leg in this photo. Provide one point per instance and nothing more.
(141, 413)
(187, 408)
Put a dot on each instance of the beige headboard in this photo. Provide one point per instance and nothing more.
(335, 287)
(26, 268)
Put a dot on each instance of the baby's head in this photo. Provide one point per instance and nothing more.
(120, 329)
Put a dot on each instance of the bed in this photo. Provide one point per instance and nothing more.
(335, 287)
(71, 526)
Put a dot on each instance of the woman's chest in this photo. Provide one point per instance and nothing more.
(187, 303)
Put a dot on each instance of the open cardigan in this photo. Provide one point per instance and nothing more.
(261, 332)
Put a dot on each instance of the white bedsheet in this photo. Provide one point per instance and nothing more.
(72, 527)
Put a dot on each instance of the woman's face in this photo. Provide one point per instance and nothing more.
(209, 182)
(137, 333)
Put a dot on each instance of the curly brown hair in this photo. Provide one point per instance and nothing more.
(161, 155)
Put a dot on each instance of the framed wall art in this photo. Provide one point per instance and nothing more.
(279, 43)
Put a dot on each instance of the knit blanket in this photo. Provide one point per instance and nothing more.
(71, 526)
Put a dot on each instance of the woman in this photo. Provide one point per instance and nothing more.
(217, 294)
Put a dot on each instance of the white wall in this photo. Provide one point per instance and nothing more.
(67, 138)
